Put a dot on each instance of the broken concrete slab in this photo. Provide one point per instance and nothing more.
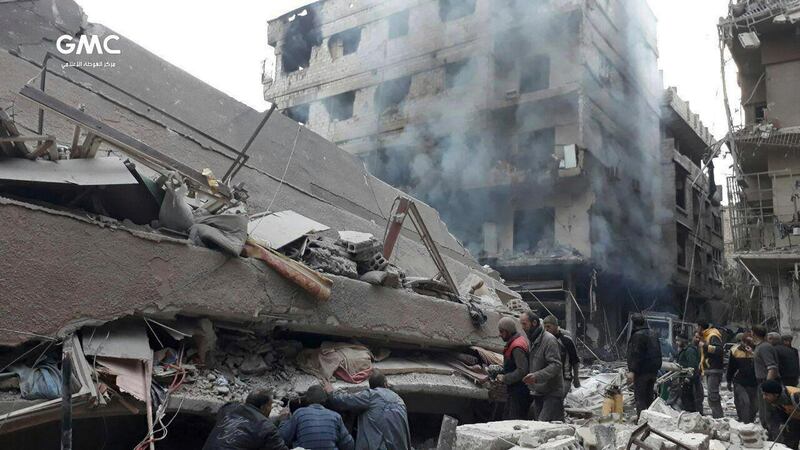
(126, 271)
(505, 434)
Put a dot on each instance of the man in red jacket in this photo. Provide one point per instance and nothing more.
(515, 367)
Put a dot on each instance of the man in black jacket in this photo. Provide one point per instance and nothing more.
(788, 362)
(245, 426)
(515, 367)
(742, 374)
(569, 354)
(644, 361)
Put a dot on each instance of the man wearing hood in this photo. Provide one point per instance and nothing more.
(545, 379)
(515, 367)
(711, 364)
(644, 361)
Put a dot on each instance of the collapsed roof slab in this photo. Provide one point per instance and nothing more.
(62, 271)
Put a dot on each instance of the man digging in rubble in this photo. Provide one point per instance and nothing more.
(765, 362)
(783, 403)
(569, 354)
(687, 357)
(644, 361)
(711, 364)
(382, 416)
(242, 426)
(741, 372)
(515, 367)
(545, 378)
(314, 427)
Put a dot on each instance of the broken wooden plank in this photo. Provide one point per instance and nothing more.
(43, 148)
(26, 138)
(74, 150)
(90, 145)
(9, 129)
(135, 148)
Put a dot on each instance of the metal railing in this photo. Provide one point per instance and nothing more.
(755, 211)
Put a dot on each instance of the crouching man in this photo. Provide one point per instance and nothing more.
(784, 402)
(243, 426)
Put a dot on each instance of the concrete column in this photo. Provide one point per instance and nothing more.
(570, 319)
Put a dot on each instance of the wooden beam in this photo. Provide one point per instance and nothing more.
(26, 138)
(9, 128)
(135, 148)
(74, 150)
(90, 145)
(41, 149)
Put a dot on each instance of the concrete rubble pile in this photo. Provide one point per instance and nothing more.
(659, 428)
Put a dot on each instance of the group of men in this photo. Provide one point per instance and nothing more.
(762, 372)
(540, 365)
(382, 422)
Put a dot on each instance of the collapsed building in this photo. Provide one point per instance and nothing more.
(178, 248)
(763, 190)
(533, 127)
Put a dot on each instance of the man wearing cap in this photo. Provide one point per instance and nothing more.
(788, 363)
(515, 367)
(544, 379)
(569, 354)
(741, 378)
(783, 402)
(644, 361)
(711, 364)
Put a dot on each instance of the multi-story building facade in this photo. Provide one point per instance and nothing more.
(765, 188)
(695, 235)
(533, 127)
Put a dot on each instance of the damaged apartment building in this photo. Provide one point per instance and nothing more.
(764, 39)
(533, 127)
(177, 249)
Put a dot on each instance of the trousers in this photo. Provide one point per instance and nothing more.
(643, 390)
(713, 380)
(547, 408)
(744, 397)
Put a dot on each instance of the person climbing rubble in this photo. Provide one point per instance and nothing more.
(644, 361)
(784, 404)
(313, 427)
(515, 367)
(382, 415)
(765, 363)
(688, 357)
(741, 378)
(545, 378)
(242, 426)
(712, 364)
(569, 354)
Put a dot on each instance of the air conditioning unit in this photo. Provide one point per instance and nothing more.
(512, 94)
(749, 40)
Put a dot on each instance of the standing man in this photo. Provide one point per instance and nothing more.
(315, 428)
(688, 357)
(741, 372)
(545, 379)
(644, 361)
(788, 363)
(784, 403)
(244, 426)
(569, 354)
(382, 416)
(711, 364)
(515, 367)
(765, 362)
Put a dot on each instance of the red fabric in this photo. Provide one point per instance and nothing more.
(518, 342)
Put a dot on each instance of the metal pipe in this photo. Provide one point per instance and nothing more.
(234, 169)
(42, 84)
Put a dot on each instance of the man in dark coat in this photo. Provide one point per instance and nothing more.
(741, 377)
(569, 354)
(688, 357)
(788, 362)
(545, 378)
(242, 426)
(382, 416)
(515, 367)
(314, 427)
(644, 361)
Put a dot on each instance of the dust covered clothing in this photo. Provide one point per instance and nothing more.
(243, 427)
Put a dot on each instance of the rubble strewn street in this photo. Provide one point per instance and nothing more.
(449, 225)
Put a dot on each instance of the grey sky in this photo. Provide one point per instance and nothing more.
(225, 45)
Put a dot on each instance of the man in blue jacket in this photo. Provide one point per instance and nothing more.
(244, 426)
(382, 417)
(314, 427)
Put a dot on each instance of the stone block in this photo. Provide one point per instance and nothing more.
(501, 435)
(544, 432)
